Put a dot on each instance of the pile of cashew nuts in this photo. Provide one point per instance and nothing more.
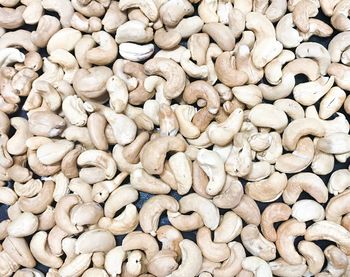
(197, 105)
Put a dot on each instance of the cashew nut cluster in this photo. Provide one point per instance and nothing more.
(174, 138)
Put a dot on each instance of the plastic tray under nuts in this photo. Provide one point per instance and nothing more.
(144, 196)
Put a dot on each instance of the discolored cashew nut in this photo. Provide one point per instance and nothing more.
(256, 244)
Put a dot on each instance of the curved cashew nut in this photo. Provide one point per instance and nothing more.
(273, 213)
(73, 109)
(124, 223)
(232, 265)
(266, 46)
(338, 45)
(307, 209)
(19, 38)
(299, 128)
(191, 260)
(171, 71)
(267, 190)
(273, 70)
(257, 265)
(142, 241)
(106, 52)
(135, 52)
(307, 182)
(10, 56)
(267, 115)
(100, 159)
(119, 198)
(339, 181)
(16, 144)
(63, 8)
(313, 255)
(38, 203)
(335, 143)
(185, 223)
(213, 166)
(337, 207)
(222, 133)
(256, 244)
(143, 181)
(41, 252)
(62, 214)
(204, 207)
(18, 250)
(154, 152)
(114, 260)
(227, 71)
(181, 167)
(213, 251)
(47, 157)
(299, 159)
(152, 209)
(24, 225)
(328, 230)
(281, 268)
(286, 234)
(317, 52)
(97, 240)
(148, 7)
(76, 266)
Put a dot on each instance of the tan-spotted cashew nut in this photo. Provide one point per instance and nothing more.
(257, 244)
